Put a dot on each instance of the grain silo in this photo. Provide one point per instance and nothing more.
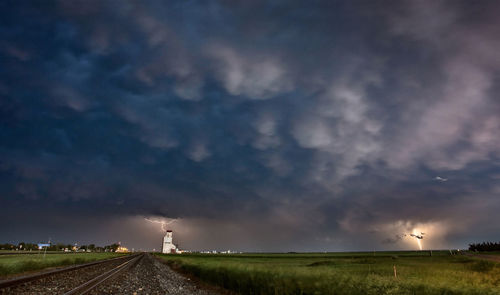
(168, 245)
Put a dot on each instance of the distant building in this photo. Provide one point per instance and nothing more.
(122, 249)
(168, 245)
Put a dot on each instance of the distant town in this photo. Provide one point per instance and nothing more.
(168, 247)
(22, 246)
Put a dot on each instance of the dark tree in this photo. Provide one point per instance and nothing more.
(485, 246)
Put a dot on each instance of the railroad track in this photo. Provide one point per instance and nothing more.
(119, 265)
(37, 253)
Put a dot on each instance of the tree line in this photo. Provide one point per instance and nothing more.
(59, 247)
(485, 246)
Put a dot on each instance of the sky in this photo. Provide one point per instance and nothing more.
(250, 125)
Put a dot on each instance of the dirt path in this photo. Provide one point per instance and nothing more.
(494, 258)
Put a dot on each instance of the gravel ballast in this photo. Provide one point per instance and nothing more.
(151, 276)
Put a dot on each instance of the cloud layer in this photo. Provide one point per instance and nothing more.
(260, 127)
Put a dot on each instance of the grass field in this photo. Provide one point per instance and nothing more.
(343, 273)
(13, 264)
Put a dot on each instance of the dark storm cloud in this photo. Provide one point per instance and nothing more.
(327, 121)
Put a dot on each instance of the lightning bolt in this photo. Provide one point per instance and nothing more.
(419, 242)
(161, 221)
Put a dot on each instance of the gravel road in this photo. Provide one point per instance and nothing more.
(150, 276)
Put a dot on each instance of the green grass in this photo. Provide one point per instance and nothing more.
(13, 264)
(497, 253)
(343, 273)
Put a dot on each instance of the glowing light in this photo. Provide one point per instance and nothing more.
(161, 221)
(122, 249)
(416, 234)
(432, 234)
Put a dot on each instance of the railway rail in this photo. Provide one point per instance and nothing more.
(115, 266)
(38, 253)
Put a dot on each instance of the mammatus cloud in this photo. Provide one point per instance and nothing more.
(253, 76)
(450, 131)
(198, 152)
(335, 122)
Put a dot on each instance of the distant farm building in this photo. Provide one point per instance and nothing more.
(122, 249)
(168, 245)
(41, 246)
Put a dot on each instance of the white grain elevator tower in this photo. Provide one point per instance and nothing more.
(168, 245)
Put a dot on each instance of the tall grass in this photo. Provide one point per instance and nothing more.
(342, 274)
(13, 264)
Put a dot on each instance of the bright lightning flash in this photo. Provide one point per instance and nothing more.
(163, 222)
(419, 241)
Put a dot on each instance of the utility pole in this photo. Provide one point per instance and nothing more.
(46, 249)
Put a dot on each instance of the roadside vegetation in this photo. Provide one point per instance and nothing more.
(14, 264)
(343, 273)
